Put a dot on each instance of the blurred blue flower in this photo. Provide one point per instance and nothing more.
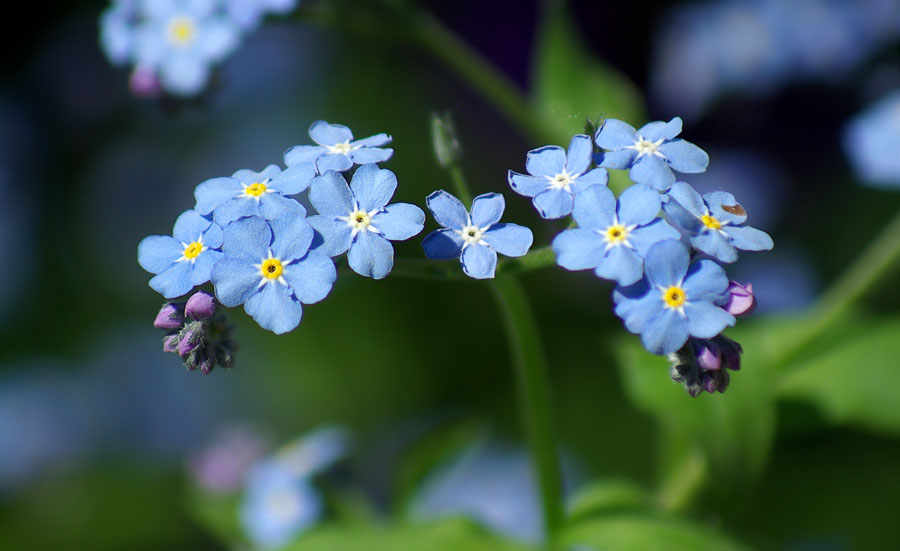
(556, 176)
(185, 260)
(118, 31)
(357, 219)
(268, 267)
(220, 467)
(872, 141)
(476, 238)
(336, 150)
(716, 222)
(650, 153)
(249, 193)
(312, 453)
(675, 299)
(249, 13)
(613, 238)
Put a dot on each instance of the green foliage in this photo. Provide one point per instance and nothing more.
(637, 532)
(604, 496)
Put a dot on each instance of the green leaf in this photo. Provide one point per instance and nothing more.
(627, 532)
(218, 515)
(854, 382)
(602, 496)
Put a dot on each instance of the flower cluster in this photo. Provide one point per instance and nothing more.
(255, 243)
(173, 44)
(198, 331)
(661, 241)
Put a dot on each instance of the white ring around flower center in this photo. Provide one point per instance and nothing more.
(563, 180)
(617, 234)
(471, 235)
(646, 147)
(343, 148)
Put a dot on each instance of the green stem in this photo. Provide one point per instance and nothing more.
(533, 388)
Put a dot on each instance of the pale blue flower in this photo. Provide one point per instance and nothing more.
(356, 218)
(556, 176)
(872, 141)
(117, 31)
(337, 150)
(474, 238)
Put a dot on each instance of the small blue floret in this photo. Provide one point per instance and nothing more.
(337, 150)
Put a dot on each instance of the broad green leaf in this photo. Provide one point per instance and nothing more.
(602, 496)
(633, 532)
(854, 382)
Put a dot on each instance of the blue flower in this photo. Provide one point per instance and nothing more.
(872, 141)
(675, 299)
(715, 221)
(474, 238)
(613, 239)
(336, 150)
(117, 31)
(357, 218)
(249, 193)
(651, 152)
(185, 260)
(249, 13)
(270, 269)
(556, 176)
(181, 39)
(277, 506)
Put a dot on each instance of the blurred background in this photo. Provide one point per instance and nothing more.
(99, 429)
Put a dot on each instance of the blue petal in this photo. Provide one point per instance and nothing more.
(553, 203)
(371, 255)
(579, 249)
(247, 238)
(717, 199)
(274, 308)
(706, 320)
(333, 161)
(619, 160)
(684, 156)
(215, 191)
(549, 160)
(479, 261)
(705, 281)
(595, 177)
(578, 156)
(324, 133)
(509, 239)
(665, 333)
(637, 305)
(248, 177)
(529, 186)
(368, 155)
(447, 210)
(273, 204)
(621, 265)
(615, 134)
(330, 195)
(644, 237)
(174, 281)
(487, 209)
(157, 252)
(689, 199)
(184, 74)
(666, 263)
(213, 237)
(312, 277)
(234, 279)
(335, 234)
(653, 171)
(749, 239)
(189, 226)
(294, 179)
(639, 205)
(302, 154)
(442, 245)
(219, 38)
(239, 207)
(595, 208)
(203, 265)
(660, 130)
(373, 187)
(715, 244)
(292, 237)
(377, 140)
(399, 221)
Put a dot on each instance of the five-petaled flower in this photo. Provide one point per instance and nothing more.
(556, 176)
(612, 239)
(715, 221)
(675, 299)
(649, 152)
(182, 261)
(474, 238)
(269, 268)
(337, 150)
(357, 219)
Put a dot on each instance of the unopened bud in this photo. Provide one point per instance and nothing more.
(170, 316)
(144, 83)
(731, 352)
(740, 299)
(443, 137)
(170, 343)
(200, 306)
(192, 336)
(706, 354)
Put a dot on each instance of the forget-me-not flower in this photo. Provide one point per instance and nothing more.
(872, 141)
(185, 260)
(556, 176)
(676, 298)
(337, 150)
(269, 268)
(476, 238)
(612, 239)
(650, 153)
(715, 221)
(249, 193)
(357, 219)
(117, 31)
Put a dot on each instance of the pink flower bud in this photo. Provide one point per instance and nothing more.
(170, 316)
(740, 299)
(200, 306)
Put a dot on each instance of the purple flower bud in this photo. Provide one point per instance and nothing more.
(706, 354)
(170, 343)
(731, 353)
(708, 381)
(143, 83)
(207, 364)
(191, 337)
(740, 299)
(200, 306)
(170, 316)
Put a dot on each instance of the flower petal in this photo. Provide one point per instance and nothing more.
(292, 237)
(479, 261)
(621, 265)
(509, 239)
(639, 204)
(189, 226)
(706, 320)
(620, 160)
(666, 263)
(399, 221)
(595, 208)
(594, 177)
(324, 133)
(579, 249)
(274, 204)
(661, 130)
(302, 154)
(213, 237)
(553, 203)
(368, 155)
(442, 244)
(247, 238)
(749, 239)
(157, 252)
(330, 195)
(371, 255)
(377, 140)
(295, 179)
(335, 234)
(487, 209)
(684, 156)
(653, 171)
(705, 281)
(636, 305)
(274, 308)
(248, 177)
(688, 198)
(665, 333)
(373, 187)
(184, 74)
(715, 244)
(578, 156)
(529, 186)
(644, 237)
(173, 281)
(215, 191)
(234, 209)
(615, 134)
(447, 210)
(716, 200)
(234, 279)
(312, 277)
(549, 160)
(203, 265)
(333, 161)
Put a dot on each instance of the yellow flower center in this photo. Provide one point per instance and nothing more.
(271, 268)
(193, 250)
(182, 30)
(616, 234)
(710, 222)
(255, 189)
(674, 297)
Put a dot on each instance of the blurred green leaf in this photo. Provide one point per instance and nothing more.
(218, 515)
(854, 382)
(627, 532)
(603, 496)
